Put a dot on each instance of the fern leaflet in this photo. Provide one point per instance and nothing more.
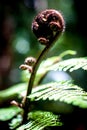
(38, 120)
(70, 64)
(62, 92)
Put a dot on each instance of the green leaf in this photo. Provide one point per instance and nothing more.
(65, 92)
(8, 113)
(70, 64)
(38, 120)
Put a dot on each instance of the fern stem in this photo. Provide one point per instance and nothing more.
(54, 23)
(32, 78)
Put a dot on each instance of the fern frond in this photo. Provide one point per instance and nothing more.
(54, 63)
(38, 120)
(70, 64)
(61, 92)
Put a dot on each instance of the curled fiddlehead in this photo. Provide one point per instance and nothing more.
(48, 25)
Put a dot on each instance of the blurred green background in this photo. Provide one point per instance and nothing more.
(17, 40)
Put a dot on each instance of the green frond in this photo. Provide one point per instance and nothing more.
(70, 64)
(38, 120)
(61, 92)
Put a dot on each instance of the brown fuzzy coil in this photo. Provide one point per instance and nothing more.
(48, 25)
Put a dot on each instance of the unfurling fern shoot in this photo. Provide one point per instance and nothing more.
(47, 26)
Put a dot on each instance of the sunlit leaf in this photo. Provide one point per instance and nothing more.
(70, 64)
(62, 92)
